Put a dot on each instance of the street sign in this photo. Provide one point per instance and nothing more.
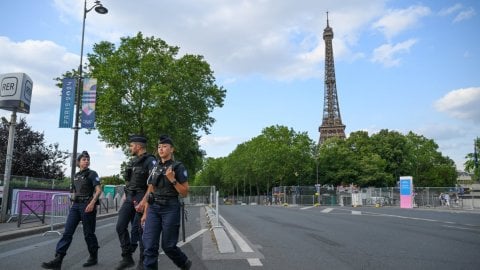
(15, 92)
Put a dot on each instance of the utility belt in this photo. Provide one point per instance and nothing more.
(132, 192)
(161, 200)
(81, 199)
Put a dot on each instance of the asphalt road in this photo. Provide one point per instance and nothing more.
(271, 237)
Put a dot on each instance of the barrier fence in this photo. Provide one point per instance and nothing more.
(60, 208)
(427, 197)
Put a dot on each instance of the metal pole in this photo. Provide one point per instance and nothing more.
(78, 96)
(216, 209)
(8, 165)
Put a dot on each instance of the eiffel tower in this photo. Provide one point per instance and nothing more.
(332, 121)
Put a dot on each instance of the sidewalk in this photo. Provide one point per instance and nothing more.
(11, 230)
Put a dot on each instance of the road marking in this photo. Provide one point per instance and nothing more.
(241, 243)
(189, 238)
(254, 262)
(327, 210)
(307, 207)
(461, 228)
(356, 212)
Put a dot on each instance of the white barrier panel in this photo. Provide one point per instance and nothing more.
(60, 208)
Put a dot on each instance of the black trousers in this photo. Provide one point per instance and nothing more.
(128, 216)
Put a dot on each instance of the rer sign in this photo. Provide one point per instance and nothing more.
(15, 92)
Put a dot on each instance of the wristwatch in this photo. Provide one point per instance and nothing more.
(174, 182)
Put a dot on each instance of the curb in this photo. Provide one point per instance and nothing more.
(224, 244)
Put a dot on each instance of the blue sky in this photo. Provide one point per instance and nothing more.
(400, 65)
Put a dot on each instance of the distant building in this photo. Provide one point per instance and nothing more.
(464, 178)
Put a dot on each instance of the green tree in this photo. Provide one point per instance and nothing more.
(472, 161)
(144, 87)
(31, 156)
(336, 163)
(278, 156)
(211, 173)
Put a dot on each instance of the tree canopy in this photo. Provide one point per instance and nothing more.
(144, 87)
(282, 157)
(31, 156)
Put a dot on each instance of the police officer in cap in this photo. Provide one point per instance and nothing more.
(136, 174)
(87, 190)
(162, 213)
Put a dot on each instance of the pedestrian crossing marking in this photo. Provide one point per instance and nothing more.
(254, 262)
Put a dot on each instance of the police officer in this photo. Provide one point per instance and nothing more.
(136, 174)
(162, 213)
(87, 190)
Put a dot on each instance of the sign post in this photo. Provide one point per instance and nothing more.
(15, 95)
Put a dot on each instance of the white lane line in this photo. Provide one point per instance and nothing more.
(461, 228)
(306, 207)
(241, 243)
(356, 212)
(254, 262)
(327, 210)
(189, 239)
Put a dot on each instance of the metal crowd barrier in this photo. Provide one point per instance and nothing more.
(59, 211)
(32, 206)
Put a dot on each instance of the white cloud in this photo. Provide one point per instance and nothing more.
(461, 104)
(442, 131)
(42, 61)
(265, 37)
(209, 140)
(450, 10)
(387, 54)
(398, 20)
(464, 15)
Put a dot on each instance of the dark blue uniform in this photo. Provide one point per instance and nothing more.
(163, 217)
(85, 182)
(136, 185)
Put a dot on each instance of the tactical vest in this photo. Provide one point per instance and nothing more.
(163, 187)
(139, 173)
(83, 185)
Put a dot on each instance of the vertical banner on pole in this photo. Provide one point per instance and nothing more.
(89, 97)
(406, 192)
(67, 103)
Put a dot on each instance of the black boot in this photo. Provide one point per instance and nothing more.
(92, 260)
(187, 265)
(126, 262)
(55, 263)
(140, 261)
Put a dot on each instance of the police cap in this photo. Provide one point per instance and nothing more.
(137, 138)
(83, 154)
(165, 139)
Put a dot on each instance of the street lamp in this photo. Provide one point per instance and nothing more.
(475, 157)
(99, 8)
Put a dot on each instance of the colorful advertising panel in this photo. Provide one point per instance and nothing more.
(89, 97)
(406, 192)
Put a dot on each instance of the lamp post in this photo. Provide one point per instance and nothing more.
(475, 157)
(99, 8)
